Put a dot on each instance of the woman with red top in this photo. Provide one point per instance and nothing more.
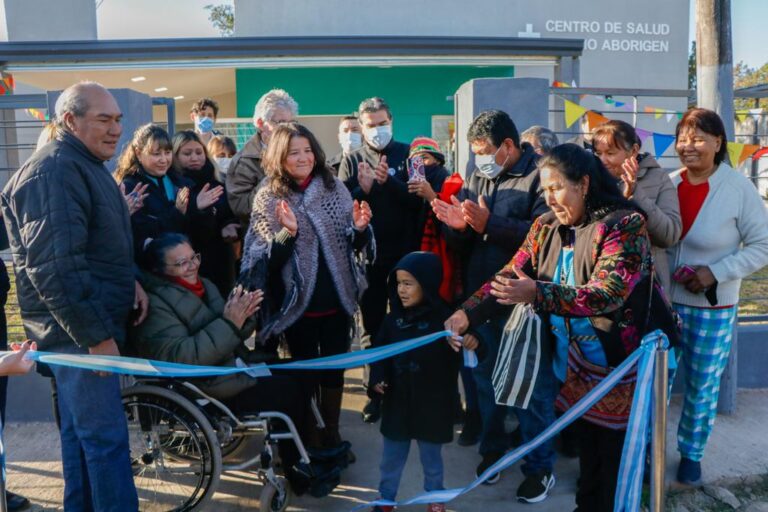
(303, 246)
(724, 239)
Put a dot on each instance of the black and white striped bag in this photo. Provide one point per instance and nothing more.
(519, 358)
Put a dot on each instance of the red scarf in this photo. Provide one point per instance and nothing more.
(304, 184)
(197, 288)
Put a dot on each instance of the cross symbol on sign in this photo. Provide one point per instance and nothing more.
(529, 31)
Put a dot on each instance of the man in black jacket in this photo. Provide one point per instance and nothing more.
(488, 222)
(70, 236)
(378, 174)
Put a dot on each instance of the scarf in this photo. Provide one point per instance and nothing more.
(325, 223)
(198, 289)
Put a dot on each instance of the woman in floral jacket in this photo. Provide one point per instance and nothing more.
(585, 268)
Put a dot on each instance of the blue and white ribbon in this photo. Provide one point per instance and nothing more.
(645, 354)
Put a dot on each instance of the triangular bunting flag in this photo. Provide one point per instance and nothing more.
(573, 83)
(609, 100)
(3, 90)
(643, 134)
(659, 113)
(628, 107)
(649, 110)
(747, 152)
(741, 115)
(670, 115)
(759, 154)
(573, 112)
(680, 116)
(756, 113)
(619, 104)
(661, 143)
(594, 119)
(734, 152)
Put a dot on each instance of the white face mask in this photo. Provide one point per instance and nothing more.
(223, 163)
(487, 166)
(378, 136)
(350, 141)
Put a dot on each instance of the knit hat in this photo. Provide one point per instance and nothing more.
(426, 145)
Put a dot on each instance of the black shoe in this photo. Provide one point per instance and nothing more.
(307, 477)
(689, 472)
(470, 433)
(16, 501)
(340, 455)
(489, 459)
(372, 411)
(535, 487)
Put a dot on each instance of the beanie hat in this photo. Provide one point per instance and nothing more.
(426, 145)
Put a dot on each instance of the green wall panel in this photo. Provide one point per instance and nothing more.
(414, 93)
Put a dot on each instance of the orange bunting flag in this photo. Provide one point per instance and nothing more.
(748, 151)
(594, 119)
(573, 112)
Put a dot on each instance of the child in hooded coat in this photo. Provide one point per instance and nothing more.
(418, 387)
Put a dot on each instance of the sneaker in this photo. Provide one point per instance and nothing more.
(689, 472)
(535, 487)
(372, 411)
(436, 507)
(489, 459)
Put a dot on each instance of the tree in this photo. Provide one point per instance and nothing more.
(744, 76)
(692, 67)
(223, 18)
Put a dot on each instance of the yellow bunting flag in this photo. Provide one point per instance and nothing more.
(594, 119)
(741, 115)
(659, 112)
(573, 112)
(734, 152)
(749, 150)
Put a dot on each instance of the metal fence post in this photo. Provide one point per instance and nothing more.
(659, 428)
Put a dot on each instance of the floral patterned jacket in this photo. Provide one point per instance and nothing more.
(612, 264)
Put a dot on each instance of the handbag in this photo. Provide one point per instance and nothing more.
(519, 358)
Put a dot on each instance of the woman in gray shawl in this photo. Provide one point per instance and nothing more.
(307, 245)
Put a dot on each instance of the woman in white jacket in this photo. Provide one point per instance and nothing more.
(724, 239)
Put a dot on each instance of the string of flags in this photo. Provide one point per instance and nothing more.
(737, 151)
(7, 85)
(37, 114)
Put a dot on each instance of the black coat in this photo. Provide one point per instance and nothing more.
(218, 256)
(515, 200)
(422, 396)
(395, 210)
(159, 214)
(70, 236)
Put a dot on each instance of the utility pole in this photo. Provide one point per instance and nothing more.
(714, 59)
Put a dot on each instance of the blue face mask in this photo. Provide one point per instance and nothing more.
(204, 124)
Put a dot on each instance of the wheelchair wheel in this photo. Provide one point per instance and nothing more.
(174, 450)
(273, 499)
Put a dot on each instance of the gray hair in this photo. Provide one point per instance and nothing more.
(73, 100)
(547, 138)
(371, 105)
(274, 99)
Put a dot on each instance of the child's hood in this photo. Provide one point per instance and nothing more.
(428, 271)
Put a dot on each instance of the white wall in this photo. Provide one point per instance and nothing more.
(50, 20)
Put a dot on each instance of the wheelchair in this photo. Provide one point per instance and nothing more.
(181, 440)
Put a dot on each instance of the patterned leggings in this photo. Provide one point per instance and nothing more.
(707, 337)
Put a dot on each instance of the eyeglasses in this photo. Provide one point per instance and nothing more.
(192, 262)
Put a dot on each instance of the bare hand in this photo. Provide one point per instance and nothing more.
(141, 304)
(476, 215)
(135, 199)
(457, 323)
(422, 189)
(449, 214)
(365, 176)
(381, 171)
(15, 363)
(470, 342)
(229, 232)
(105, 348)
(508, 290)
(286, 217)
(208, 196)
(380, 388)
(630, 168)
(182, 200)
(361, 215)
(700, 281)
(241, 305)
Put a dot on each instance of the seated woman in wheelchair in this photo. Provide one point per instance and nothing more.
(189, 322)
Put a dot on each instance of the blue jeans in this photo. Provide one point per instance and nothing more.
(393, 458)
(94, 442)
(539, 415)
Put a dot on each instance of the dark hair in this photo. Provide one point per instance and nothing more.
(371, 105)
(277, 152)
(603, 195)
(618, 134)
(155, 251)
(204, 103)
(144, 138)
(349, 118)
(709, 122)
(219, 142)
(495, 126)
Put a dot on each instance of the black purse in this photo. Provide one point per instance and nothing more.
(660, 314)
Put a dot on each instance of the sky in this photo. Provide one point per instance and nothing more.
(124, 19)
